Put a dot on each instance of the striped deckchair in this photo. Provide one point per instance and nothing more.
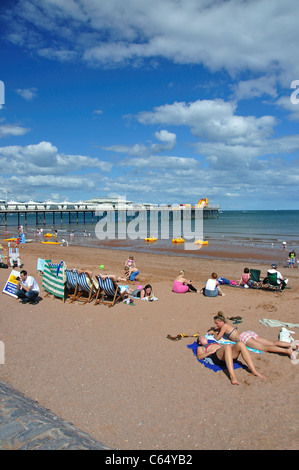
(84, 288)
(54, 279)
(108, 292)
(72, 284)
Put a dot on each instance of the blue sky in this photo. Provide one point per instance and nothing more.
(162, 101)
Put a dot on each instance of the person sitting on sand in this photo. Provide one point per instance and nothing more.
(280, 279)
(212, 288)
(181, 285)
(227, 331)
(225, 355)
(245, 278)
(131, 272)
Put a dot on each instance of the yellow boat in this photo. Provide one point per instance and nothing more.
(51, 243)
(150, 239)
(201, 242)
(178, 240)
(49, 235)
(9, 239)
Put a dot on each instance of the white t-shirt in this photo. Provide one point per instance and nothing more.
(31, 282)
(211, 284)
(279, 276)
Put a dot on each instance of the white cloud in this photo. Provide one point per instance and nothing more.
(7, 130)
(247, 89)
(42, 166)
(27, 93)
(167, 139)
(257, 35)
(212, 120)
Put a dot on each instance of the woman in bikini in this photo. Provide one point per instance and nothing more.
(227, 331)
(225, 355)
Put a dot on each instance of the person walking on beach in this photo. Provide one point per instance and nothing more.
(225, 330)
(27, 288)
(225, 356)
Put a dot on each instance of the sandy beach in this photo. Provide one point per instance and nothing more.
(113, 373)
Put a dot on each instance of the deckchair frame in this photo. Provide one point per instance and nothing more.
(108, 292)
(82, 284)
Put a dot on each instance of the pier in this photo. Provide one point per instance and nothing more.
(73, 213)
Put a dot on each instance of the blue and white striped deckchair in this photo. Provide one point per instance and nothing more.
(108, 292)
(72, 284)
(82, 284)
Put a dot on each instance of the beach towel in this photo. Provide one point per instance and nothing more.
(273, 323)
(207, 362)
(211, 339)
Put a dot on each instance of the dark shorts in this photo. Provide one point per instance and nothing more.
(216, 360)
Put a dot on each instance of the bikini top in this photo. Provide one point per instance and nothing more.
(227, 335)
(205, 346)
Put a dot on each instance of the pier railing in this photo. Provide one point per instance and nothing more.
(74, 215)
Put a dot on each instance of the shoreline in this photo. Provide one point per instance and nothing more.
(113, 373)
(213, 251)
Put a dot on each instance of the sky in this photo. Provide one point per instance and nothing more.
(161, 101)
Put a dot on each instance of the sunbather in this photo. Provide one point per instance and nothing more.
(225, 355)
(146, 291)
(227, 331)
(182, 285)
(112, 276)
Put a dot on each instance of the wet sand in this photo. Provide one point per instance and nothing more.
(114, 374)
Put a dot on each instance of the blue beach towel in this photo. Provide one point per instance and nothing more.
(207, 362)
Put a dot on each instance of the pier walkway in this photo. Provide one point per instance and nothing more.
(70, 215)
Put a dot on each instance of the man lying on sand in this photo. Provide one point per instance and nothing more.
(225, 355)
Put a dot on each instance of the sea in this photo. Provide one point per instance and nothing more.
(247, 229)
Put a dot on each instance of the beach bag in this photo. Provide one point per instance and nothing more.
(3, 265)
(285, 335)
(222, 280)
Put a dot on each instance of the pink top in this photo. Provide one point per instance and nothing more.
(179, 287)
(245, 278)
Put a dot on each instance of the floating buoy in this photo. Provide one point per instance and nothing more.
(51, 243)
(150, 239)
(201, 242)
(178, 240)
